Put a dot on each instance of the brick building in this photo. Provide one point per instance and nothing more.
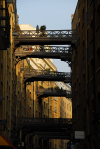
(16, 99)
(86, 73)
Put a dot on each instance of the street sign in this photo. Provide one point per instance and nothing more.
(79, 135)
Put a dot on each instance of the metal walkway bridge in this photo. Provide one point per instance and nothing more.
(45, 123)
(54, 92)
(55, 135)
(57, 128)
(55, 52)
(31, 75)
(47, 37)
(42, 126)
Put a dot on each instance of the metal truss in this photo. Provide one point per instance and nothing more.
(63, 53)
(53, 92)
(31, 75)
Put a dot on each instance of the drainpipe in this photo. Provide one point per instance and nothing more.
(94, 60)
(15, 33)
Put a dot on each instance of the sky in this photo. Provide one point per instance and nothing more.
(54, 14)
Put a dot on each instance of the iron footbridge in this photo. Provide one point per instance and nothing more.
(31, 75)
(53, 135)
(45, 124)
(53, 92)
(52, 127)
(54, 52)
(46, 37)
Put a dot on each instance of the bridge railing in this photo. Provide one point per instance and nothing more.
(50, 92)
(28, 120)
(47, 33)
(53, 49)
(45, 72)
(54, 90)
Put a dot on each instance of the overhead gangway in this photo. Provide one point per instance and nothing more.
(53, 92)
(53, 135)
(31, 75)
(46, 37)
(45, 124)
(52, 127)
(54, 52)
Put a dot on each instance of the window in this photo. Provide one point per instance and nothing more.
(42, 82)
(39, 115)
(37, 85)
(55, 109)
(44, 105)
(36, 114)
(67, 106)
(50, 108)
(55, 98)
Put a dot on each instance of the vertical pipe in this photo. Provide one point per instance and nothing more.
(94, 60)
(15, 18)
(48, 107)
(41, 108)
